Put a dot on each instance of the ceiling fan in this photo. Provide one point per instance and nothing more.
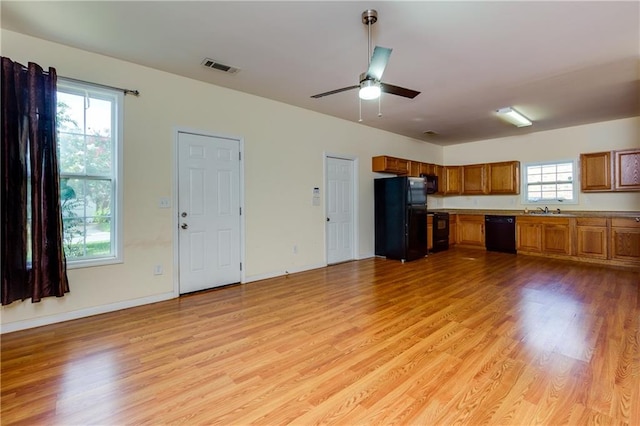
(370, 85)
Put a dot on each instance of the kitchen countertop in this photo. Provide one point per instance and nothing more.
(567, 213)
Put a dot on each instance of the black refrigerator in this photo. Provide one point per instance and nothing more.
(400, 218)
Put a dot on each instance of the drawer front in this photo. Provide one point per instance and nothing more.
(591, 221)
(626, 222)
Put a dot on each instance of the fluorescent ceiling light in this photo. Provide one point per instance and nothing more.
(514, 117)
(369, 89)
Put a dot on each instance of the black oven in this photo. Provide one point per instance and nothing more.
(440, 232)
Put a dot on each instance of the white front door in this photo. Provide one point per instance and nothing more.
(340, 206)
(209, 211)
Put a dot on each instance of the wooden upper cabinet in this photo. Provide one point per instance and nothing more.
(415, 168)
(627, 170)
(596, 172)
(474, 179)
(431, 169)
(386, 164)
(451, 180)
(504, 177)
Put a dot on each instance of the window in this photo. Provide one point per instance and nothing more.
(89, 140)
(550, 183)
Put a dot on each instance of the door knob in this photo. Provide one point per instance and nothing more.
(184, 226)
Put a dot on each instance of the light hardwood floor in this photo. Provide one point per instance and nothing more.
(462, 337)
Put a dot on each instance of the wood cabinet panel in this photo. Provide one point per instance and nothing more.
(625, 239)
(596, 171)
(471, 230)
(528, 235)
(387, 164)
(627, 170)
(547, 235)
(474, 179)
(504, 177)
(429, 232)
(591, 241)
(556, 239)
(416, 168)
(451, 180)
(453, 229)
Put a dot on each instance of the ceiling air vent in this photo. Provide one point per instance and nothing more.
(213, 64)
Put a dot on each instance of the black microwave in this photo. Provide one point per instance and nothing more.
(431, 183)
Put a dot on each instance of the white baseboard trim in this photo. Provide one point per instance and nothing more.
(366, 256)
(274, 274)
(82, 313)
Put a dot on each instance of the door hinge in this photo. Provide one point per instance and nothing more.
(240, 211)
(239, 156)
(241, 266)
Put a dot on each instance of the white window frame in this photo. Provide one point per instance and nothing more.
(525, 184)
(117, 175)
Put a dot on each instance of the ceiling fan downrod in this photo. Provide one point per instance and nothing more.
(369, 17)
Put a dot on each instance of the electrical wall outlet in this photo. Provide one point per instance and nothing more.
(158, 270)
(164, 203)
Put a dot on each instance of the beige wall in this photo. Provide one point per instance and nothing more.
(561, 144)
(284, 151)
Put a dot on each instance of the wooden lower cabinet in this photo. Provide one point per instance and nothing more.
(429, 232)
(544, 235)
(556, 237)
(453, 229)
(471, 230)
(614, 241)
(625, 239)
(528, 235)
(592, 238)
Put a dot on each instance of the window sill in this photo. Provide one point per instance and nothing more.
(88, 263)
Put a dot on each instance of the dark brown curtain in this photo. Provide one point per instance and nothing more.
(29, 136)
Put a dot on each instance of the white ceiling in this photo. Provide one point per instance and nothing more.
(560, 63)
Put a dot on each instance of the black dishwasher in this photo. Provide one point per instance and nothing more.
(500, 233)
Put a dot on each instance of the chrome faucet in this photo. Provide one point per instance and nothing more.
(545, 210)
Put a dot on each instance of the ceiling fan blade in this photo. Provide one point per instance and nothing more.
(333, 92)
(397, 90)
(378, 63)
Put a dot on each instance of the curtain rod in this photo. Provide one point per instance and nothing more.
(104, 86)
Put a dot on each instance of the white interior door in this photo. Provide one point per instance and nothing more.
(209, 211)
(340, 206)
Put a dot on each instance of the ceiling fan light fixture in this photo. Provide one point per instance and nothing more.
(369, 89)
(514, 117)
